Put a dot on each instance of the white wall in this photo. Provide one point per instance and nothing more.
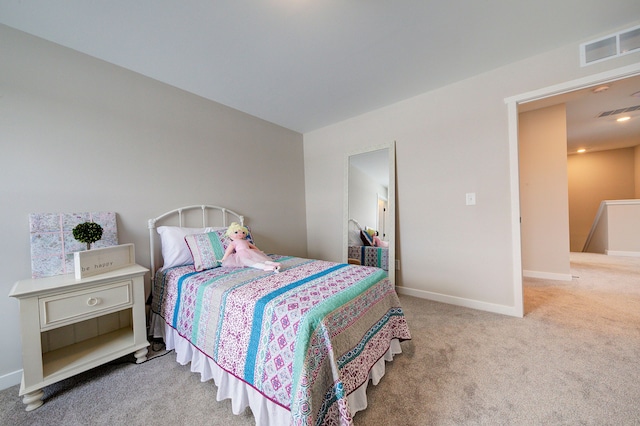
(363, 198)
(449, 141)
(78, 134)
(624, 228)
(617, 229)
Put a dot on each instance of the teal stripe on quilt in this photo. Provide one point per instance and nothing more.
(178, 300)
(335, 393)
(254, 340)
(223, 300)
(378, 257)
(357, 350)
(312, 319)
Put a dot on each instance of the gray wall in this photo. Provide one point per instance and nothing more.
(78, 134)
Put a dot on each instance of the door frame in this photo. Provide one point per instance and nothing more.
(514, 172)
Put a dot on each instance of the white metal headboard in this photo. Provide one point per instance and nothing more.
(169, 218)
(357, 224)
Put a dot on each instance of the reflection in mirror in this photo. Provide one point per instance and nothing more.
(370, 208)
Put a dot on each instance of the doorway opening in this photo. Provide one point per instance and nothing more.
(513, 106)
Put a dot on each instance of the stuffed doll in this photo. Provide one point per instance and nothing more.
(241, 253)
(377, 242)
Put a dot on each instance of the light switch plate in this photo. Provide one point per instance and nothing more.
(471, 198)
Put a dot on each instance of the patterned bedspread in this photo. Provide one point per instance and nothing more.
(371, 256)
(304, 338)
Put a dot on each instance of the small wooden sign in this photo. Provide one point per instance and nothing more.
(98, 261)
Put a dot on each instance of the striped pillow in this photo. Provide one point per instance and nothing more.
(367, 240)
(208, 249)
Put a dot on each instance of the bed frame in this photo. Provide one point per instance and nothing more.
(190, 216)
(357, 224)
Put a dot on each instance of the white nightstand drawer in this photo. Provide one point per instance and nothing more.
(73, 306)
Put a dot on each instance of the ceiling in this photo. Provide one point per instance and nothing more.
(305, 64)
(585, 128)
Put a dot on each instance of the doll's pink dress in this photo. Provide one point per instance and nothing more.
(245, 256)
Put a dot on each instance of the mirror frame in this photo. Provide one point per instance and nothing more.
(391, 205)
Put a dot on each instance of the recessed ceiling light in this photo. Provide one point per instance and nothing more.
(621, 119)
(600, 89)
(581, 150)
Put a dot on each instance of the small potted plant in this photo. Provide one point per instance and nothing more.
(87, 232)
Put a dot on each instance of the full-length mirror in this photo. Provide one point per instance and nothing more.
(369, 223)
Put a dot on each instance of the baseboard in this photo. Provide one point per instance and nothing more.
(459, 301)
(546, 275)
(10, 379)
(622, 253)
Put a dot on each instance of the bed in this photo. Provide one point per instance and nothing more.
(361, 249)
(298, 346)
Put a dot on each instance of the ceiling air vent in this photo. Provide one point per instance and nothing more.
(611, 46)
(619, 111)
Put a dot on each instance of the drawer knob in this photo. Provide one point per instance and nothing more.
(93, 301)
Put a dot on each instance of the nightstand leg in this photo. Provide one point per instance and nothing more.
(33, 399)
(141, 355)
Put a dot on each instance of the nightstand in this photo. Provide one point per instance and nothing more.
(71, 325)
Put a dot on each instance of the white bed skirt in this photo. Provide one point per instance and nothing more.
(266, 412)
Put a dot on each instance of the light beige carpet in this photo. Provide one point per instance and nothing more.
(574, 359)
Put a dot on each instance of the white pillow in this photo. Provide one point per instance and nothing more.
(175, 251)
(354, 238)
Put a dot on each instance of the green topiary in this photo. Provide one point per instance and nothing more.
(88, 232)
